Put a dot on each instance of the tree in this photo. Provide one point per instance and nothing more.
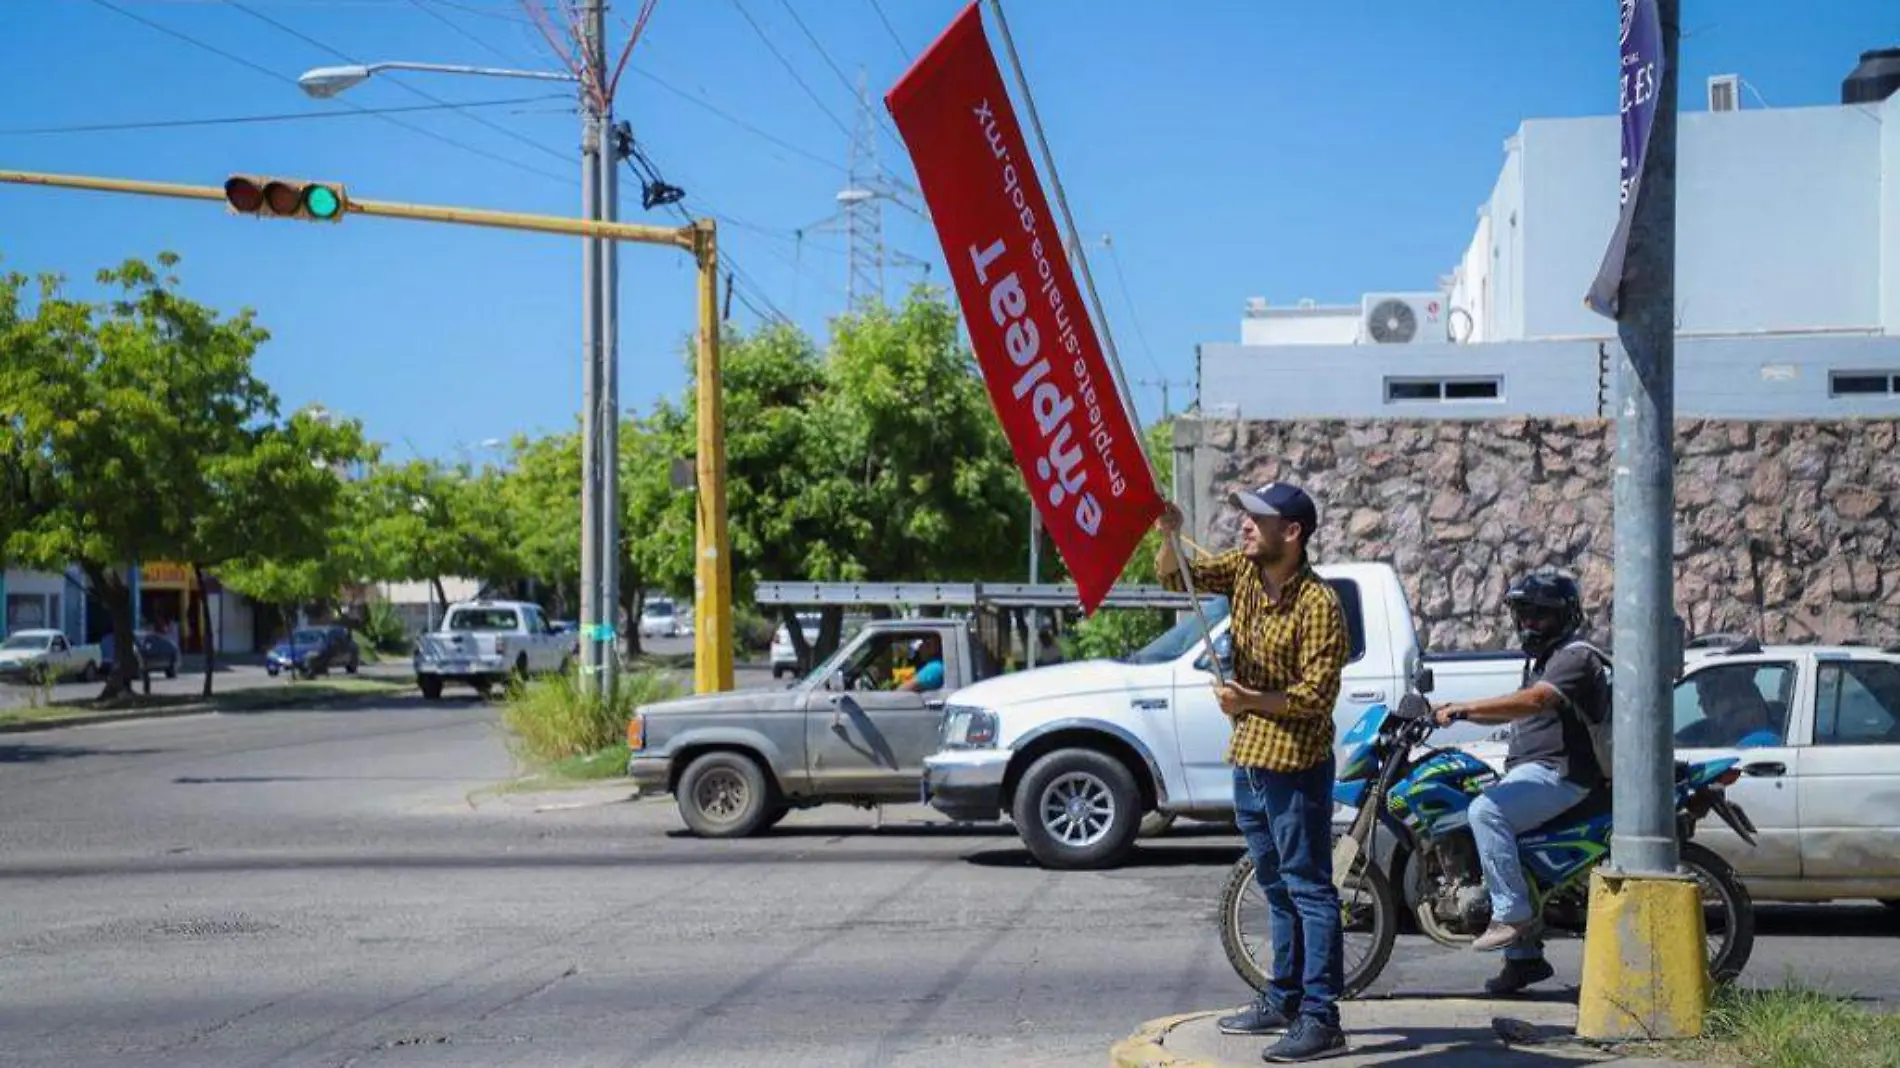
(541, 493)
(123, 414)
(425, 522)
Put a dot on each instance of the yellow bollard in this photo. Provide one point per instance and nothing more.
(1645, 967)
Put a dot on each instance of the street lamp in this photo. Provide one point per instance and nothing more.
(326, 82)
(600, 260)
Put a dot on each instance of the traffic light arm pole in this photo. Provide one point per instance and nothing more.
(712, 564)
(680, 238)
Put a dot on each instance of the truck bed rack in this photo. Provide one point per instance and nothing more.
(1001, 595)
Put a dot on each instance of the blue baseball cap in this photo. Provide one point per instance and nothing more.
(1279, 500)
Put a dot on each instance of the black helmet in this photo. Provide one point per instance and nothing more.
(1546, 608)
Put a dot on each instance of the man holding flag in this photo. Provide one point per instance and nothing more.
(1290, 647)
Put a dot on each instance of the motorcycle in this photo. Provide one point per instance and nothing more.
(1421, 794)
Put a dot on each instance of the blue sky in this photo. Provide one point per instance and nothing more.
(1231, 149)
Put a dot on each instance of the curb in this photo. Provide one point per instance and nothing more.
(32, 725)
(1143, 1048)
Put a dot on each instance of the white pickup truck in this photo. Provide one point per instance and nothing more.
(482, 643)
(1075, 755)
(46, 656)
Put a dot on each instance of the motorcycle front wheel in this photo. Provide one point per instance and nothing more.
(1369, 917)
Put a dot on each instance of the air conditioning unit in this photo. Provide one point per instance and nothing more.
(1403, 319)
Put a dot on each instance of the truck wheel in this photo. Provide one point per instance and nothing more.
(725, 795)
(1078, 809)
(171, 669)
(484, 687)
(431, 687)
(521, 667)
(89, 672)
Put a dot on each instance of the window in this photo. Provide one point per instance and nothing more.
(1734, 706)
(1863, 384)
(1859, 704)
(482, 619)
(1439, 390)
(1350, 604)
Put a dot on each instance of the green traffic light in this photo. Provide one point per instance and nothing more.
(322, 202)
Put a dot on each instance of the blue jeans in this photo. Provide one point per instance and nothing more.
(1287, 819)
(1528, 796)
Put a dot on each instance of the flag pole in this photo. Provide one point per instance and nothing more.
(1101, 318)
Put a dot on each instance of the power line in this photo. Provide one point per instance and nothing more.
(825, 54)
(233, 120)
(277, 76)
(902, 49)
(461, 31)
(1141, 335)
(789, 69)
(423, 93)
(741, 123)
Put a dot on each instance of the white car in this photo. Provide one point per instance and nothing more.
(784, 653)
(35, 655)
(1817, 731)
(1075, 754)
(660, 619)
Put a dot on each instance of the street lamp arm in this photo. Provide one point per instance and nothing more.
(326, 82)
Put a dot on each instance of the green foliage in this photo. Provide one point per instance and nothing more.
(384, 629)
(1117, 632)
(554, 718)
(136, 430)
(1796, 1027)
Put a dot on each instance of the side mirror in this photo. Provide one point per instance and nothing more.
(1424, 681)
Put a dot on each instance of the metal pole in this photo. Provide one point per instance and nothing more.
(610, 405)
(1095, 307)
(712, 564)
(1644, 842)
(677, 237)
(1035, 569)
(593, 613)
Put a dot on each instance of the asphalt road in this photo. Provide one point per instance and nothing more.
(334, 888)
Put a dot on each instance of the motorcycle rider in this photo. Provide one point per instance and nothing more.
(1550, 764)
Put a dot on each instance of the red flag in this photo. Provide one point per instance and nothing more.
(1052, 389)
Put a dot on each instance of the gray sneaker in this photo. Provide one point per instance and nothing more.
(1309, 1039)
(1260, 1018)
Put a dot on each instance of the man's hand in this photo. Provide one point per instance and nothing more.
(1448, 713)
(1171, 519)
(1237, 700)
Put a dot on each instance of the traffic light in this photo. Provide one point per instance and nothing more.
(285, 198)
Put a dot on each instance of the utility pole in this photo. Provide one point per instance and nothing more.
(599, 466)
(1645, 968)
(1167, 409)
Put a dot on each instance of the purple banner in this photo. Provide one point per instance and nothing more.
(1641, 53)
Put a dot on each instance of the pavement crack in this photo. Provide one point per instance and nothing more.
(572, 971)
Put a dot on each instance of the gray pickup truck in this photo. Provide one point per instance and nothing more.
(848, 733)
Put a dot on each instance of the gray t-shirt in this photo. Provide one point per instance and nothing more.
(1558, 738)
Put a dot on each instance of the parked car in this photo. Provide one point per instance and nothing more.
(481, 643)
(659, 619)
(153, 652)
(313, 651)
(1075, 755)
(736, 763)
(46, 656)
(784, 654)
(1817, 731)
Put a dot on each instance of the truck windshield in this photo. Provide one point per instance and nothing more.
(1181, 637)
(28, 641)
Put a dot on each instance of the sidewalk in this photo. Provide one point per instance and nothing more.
(1415, 1032)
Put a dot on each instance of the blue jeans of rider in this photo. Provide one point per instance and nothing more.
(1287, 820)
(1528, 796)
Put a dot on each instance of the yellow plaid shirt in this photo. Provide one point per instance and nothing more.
(1296, 645)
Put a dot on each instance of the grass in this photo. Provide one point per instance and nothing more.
(1794, 1027)
(554, 722)
(259, 699)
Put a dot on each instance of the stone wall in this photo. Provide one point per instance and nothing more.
(1785, 530)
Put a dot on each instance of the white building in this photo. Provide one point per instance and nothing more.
(1787, 285)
